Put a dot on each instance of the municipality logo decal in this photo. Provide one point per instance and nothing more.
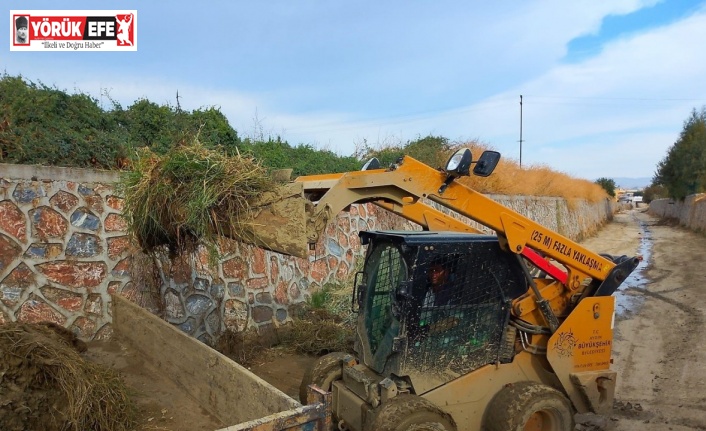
(73, 30)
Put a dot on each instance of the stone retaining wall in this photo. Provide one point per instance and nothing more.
(64, 250)
(253, 287)
(575, 219)
(63, 247)
(691, 212)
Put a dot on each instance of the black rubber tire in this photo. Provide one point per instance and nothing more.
(411, 413)
(520, 403)
(322, 373)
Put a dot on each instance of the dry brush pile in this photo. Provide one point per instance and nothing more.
(190, 196)
(45, 384)
(323, 324)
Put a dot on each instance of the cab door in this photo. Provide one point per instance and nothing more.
(379, 321)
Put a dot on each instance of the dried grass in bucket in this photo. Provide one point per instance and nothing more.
(190, 195)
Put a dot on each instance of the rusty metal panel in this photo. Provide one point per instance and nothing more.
(316, 416)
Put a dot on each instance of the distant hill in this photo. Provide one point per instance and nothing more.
(632, 183)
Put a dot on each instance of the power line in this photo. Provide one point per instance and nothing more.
(343, 125)
(398, 119)
(640, 99)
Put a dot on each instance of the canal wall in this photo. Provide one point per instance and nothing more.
(690, 213)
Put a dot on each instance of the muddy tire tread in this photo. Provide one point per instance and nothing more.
(507, 409)
(319, 372)
(412, 413)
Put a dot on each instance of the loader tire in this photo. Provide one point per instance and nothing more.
(322, 373)
(529, 406)
(411, 413)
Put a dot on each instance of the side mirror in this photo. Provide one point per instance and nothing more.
(486, 163)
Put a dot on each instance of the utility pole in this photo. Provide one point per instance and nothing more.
(520, 131)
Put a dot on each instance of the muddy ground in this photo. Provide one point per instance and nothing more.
(659, 348)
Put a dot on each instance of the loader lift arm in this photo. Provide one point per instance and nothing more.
(402, 189)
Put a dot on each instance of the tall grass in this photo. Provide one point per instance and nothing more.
(189, 195)
(534, 180)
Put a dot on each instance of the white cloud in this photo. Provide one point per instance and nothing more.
(363, 81)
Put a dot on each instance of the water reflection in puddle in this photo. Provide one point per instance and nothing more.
(628, 301)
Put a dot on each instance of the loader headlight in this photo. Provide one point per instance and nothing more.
(460, 163)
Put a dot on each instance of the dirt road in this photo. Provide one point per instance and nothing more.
(659, 348)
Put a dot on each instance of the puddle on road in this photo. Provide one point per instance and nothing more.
(627, 302)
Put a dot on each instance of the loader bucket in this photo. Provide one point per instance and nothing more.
(277, 222)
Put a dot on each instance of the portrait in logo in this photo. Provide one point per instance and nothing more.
(22, 30)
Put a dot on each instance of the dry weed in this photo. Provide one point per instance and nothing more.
(189, 196)
(46, 384)
(534, 180)
(244, 347)
(317, 332)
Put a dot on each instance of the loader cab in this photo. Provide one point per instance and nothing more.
(430, 328)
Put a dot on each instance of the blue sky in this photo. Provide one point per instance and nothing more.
(606, 85)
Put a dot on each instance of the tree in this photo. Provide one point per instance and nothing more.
(44, 125)
(431, 150)
(161, 127)
(654, 192)
(47, 126)
(303, 159)
(683, 170)
(213, 127)
(146, 123)
(608, 185)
